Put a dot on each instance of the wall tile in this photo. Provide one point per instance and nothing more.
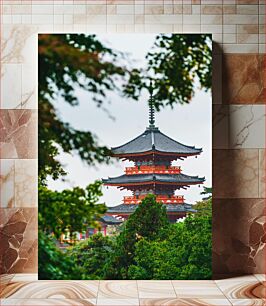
(18, 134)
(7, 183)
(239, 236)
(211, 9)
(235, 173)
(243, 79)
(10, 82)
(18, 44)
(247, 126)
(262, 174)
(19, 238)
(220, 126)
(26, 182)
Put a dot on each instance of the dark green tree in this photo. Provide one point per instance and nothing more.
(53, 263)
(185, 254)
(71, 209)
(92, 255)
(148, 221)
(174, 63)
(66, 62)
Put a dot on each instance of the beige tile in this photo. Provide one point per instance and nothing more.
(212, 19)
(220, 126)
(43, 9)
(178, 9)
(26, 174)
(240, 19)
(240, 287)
(187, 9)
(163, 19)
(96, 9)
(168, 9)
(120, 19)
(183, 302)
(25, 277)
(211, 28)
(117, 302)
(196, 9)
(248, 302)
(52, 290)
(48, 302)
(247, 126)
(42, 19)
(111, 9)
(191, 28)
(247, 38)
(229, 9)
(211, 9)
(139, 9)
(191, 19)
(248, 29)
(230, 29)
(21, 9)
(240, 48)
(153, 9)
(10, 82)
(229, 38)
(197, 289)
(260, 277)
(247, 9)
(156, 289)
(7, 183)
(125, 9)
(237, 173)
(118, 290)
(262, 176)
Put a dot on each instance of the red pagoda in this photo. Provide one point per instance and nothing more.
(153, 153)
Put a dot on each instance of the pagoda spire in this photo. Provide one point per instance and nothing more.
(151, 109)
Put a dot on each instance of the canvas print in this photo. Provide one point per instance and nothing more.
(125, 189)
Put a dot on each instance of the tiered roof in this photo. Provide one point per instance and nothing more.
(130, 208)
(152, 140)
(177, 179)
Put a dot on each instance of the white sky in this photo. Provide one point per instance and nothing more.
(189, 124)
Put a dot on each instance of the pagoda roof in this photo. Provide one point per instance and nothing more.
(170, 208)
(109, 220)
(153, 140)
(159, 178)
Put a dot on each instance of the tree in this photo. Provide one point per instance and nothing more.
(92, 255)
(174, 63)
(53, 263)
(184, 254)
(66, 62)
(71, 209)
(148, 221)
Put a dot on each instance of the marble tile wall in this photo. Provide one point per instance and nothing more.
(238, 29)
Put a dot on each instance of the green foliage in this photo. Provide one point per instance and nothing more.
(92, 255)
(184, 254)
(53, 263)
(174, 63)
(71, 209)
(149, 247)
(149, 221)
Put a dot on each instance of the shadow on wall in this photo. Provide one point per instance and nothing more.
(239, 216)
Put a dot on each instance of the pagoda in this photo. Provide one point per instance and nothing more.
(152, 153)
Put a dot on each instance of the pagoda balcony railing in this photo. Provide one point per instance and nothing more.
(160, 198)
(153, 169)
